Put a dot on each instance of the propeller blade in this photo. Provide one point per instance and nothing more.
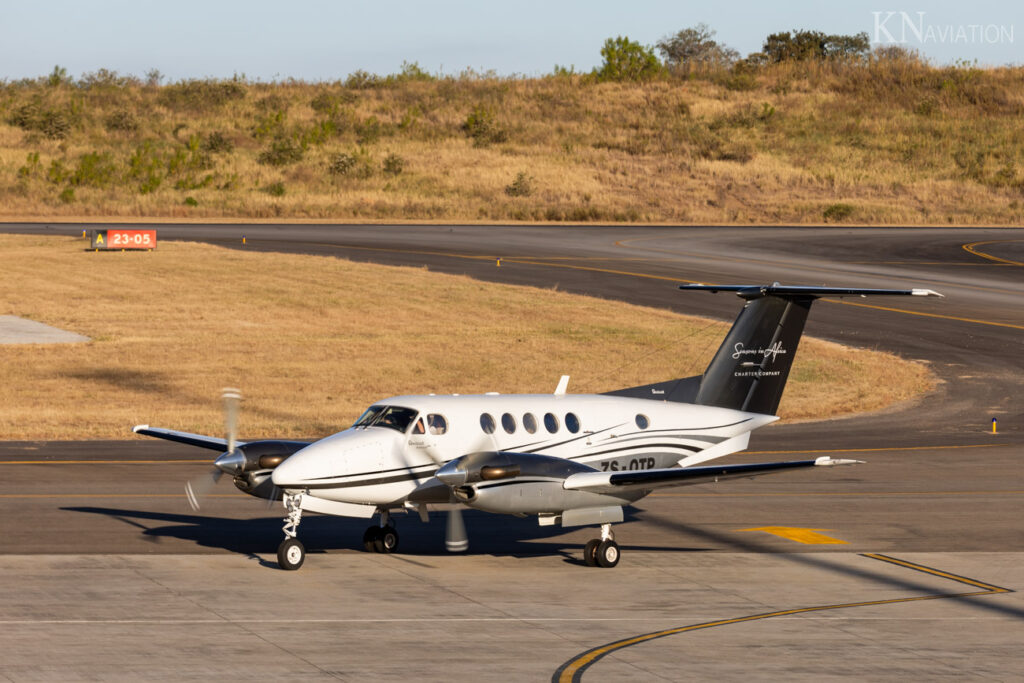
(196, 489)
(231, 399)
(455, 539)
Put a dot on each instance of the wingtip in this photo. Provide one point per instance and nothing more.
(139, 428)
(826, 461)
(926, 292)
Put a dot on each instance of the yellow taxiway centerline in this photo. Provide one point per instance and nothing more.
(971, 248)
(572, 671)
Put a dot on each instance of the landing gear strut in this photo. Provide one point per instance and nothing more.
(604, 551)
(382, 538)
(291, 553)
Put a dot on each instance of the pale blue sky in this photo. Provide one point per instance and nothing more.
(318, 40)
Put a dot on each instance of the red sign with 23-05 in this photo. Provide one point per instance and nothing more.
(124, 239)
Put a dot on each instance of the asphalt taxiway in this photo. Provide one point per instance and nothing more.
(901, 567)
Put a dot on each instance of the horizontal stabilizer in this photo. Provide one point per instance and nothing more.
(795, 291)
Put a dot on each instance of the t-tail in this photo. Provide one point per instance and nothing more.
(750, 369)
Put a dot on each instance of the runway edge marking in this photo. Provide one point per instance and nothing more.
(572, 670)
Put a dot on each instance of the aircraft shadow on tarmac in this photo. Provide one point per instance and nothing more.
(488, 534)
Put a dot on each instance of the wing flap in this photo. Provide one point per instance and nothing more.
(684, 476)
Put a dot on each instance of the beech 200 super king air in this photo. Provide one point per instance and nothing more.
(569, 459)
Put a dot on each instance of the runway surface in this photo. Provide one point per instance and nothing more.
(100, 548)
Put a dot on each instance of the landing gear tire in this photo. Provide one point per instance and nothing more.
(386, 540)
(607, 554)
(291, 554)
(370, 539)
(590, 552)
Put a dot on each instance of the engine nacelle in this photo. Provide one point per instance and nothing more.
(522, 483)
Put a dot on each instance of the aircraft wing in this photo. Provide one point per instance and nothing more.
(609, 482)
(212, 442)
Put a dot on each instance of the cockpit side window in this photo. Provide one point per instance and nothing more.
(418, 427)
(436, 424)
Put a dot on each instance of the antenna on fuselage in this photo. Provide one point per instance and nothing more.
(563, 384)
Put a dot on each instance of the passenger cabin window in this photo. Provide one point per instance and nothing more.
(530, 423)
(642, 422)
(508, 423)
(392, 417)
(487, 423)
(436, 424)
(550, 422)
(572, 423)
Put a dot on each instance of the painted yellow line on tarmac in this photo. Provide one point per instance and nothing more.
(817, 269)
(649, 276)
(798, 534)
(972, 248)
(926, 315)
(572, 671)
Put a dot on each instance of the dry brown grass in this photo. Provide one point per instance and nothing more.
(313, 340)
(899, 142)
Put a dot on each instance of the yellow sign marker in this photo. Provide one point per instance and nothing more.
(808, 536)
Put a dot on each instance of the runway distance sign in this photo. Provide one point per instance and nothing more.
(123, 239)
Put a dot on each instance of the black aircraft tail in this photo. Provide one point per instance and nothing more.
(751, 367)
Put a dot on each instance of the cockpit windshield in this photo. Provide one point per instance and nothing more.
(393, 417)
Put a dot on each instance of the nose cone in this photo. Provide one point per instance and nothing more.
(453, 473)
(331, 460)
(293, 472)
(232, 462)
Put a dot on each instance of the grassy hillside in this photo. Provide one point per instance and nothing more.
(887, 141)
(315, 342)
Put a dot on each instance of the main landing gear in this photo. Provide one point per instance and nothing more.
(604, 551)
(382, 538)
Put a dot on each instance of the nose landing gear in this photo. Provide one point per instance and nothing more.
(291, 553)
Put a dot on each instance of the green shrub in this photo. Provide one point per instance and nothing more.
(94, 170)
(627, 60)
(838, 212)
(325, 104)
(218, 143)
(342, 164)
(282, 151)
(201, 95)
(360, 80)
(393, 164)
(368, 131)
(121, 120)
(67, 195)
(275, 189)
(52, 123)
(521, 186)
(482, 127)
(190, 201)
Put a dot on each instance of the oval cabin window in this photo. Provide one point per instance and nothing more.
(487, 423)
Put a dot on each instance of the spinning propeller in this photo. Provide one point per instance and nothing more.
(455, 538)
(232, 461)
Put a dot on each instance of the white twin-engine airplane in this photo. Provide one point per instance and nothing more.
(570, 459)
